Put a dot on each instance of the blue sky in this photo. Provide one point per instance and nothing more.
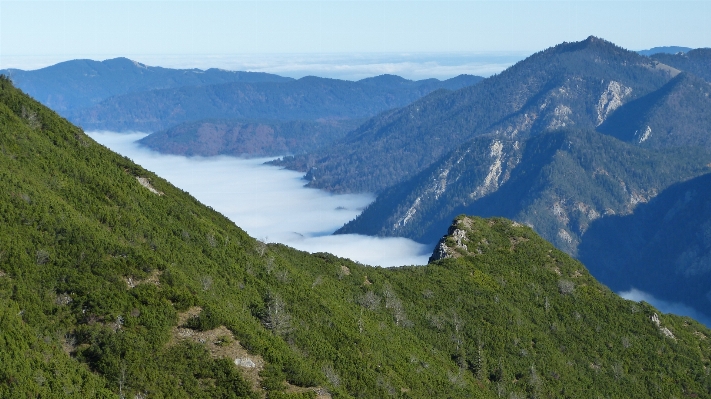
(33, 33)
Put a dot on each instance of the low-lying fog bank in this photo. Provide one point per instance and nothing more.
(271, 204)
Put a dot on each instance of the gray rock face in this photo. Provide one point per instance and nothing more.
(441, 251)
(245, 362)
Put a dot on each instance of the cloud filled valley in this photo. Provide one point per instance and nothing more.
(271, 204)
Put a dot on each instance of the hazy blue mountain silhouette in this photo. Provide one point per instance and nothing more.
(81, 83)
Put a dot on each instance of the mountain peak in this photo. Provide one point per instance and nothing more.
(123, 62)
(468, 236)
(591, 43)
(385, 79)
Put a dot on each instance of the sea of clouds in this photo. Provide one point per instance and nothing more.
(271, 204)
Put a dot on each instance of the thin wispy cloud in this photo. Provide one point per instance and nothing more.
(664, 306)
(272, 204)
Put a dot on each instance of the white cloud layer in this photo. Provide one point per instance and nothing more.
(665, 307)
(272, 204)
(413, 66)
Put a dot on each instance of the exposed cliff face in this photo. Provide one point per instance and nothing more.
(611, 99)
(677, 115)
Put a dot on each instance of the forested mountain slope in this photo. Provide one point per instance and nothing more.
(253, 138)
(308, 98)
(677, 115)
(82, 83)
(558, 180)
(697, 61)
(570, 85)
(113, 282)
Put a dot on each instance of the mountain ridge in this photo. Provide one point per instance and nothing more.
(572, 84)
(308, 98)
(77, 84)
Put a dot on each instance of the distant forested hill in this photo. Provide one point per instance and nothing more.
(697, 62)
(664, 50)
(115, 283)
(308, 98)
(251, 138)
(82, 83)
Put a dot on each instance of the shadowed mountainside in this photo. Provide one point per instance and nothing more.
(664, 247)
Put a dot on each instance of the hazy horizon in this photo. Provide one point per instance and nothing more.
(414, 66)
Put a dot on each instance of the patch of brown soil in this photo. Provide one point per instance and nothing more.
(220, 343)
(515, 241)
(153, 278)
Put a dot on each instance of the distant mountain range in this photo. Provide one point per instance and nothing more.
(79, 84)
(308, 98)
(245, 113)
(664, 50)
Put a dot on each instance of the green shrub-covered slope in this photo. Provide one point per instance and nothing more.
(109, 288)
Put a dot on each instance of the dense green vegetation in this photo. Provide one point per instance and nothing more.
(248, 138)
(99, 277)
